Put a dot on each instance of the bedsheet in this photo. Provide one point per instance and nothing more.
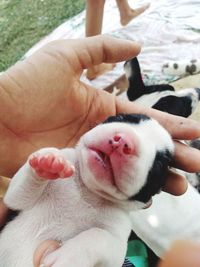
(168, 30)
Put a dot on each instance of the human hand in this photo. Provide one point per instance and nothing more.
(44, 103)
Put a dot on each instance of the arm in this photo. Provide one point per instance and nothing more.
(29, 183)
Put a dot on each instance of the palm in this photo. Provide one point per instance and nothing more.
(55, 109)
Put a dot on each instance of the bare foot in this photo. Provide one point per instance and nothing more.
(98, 70)
(50, 166)
(133, 13)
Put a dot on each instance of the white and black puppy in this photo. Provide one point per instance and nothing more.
(115, 168)
(182, 67)
(162, 96)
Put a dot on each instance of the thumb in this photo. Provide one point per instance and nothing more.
(183, 253)
(43, 250)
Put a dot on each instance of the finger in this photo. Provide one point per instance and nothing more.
(3, 213)
(186, 158)
(176, 184)
(43, 250)
(182, 254)
(84, 53)
(179, 127)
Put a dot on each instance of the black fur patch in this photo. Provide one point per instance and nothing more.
(127, 118)
(191, 68)
(136, 85)
(156, 178)
(166, 65)
(175, 66)
(176, 105)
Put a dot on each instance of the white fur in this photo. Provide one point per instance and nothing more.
(168, 219)
(149, 100)
(90, 217)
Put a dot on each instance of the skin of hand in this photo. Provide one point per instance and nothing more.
(183, 253)
(44, 103)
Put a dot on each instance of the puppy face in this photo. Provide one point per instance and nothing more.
(125, 159)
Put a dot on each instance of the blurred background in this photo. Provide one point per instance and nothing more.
(24, 22)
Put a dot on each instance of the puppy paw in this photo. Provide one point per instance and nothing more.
(51, 166)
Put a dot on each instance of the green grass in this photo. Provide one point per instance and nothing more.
(24, 22)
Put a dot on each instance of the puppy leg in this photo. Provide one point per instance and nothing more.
(31, 180)
(94, 247)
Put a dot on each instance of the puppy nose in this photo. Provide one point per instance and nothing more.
(122, 143)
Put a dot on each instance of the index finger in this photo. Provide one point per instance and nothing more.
(84, 53)
(186, 158)
(178, 127)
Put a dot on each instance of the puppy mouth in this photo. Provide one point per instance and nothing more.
(104, 160)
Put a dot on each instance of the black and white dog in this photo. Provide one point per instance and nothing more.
(162, 96)
(83, 196)
(169, 218)
(182, 67)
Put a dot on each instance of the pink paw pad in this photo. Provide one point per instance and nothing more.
(50, 166)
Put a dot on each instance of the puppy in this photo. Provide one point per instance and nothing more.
(83, 196)
(182, 67)
(164, 98)
(161, 96)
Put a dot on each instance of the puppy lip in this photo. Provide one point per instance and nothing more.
(105, 160)
(103, 157)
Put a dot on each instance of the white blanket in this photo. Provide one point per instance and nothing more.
(168, 30)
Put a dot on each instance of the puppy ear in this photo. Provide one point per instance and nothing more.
(156, 178)
(136, 86)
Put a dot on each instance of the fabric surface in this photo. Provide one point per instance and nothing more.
(168, 30)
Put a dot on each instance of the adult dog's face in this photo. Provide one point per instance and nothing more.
(125, 159)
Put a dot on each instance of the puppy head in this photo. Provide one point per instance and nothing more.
(125, 159)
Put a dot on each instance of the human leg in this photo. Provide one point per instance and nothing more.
(127, 13)
(94, 21)
(94, 17)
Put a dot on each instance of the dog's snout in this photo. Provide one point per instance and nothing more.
(121, 143)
